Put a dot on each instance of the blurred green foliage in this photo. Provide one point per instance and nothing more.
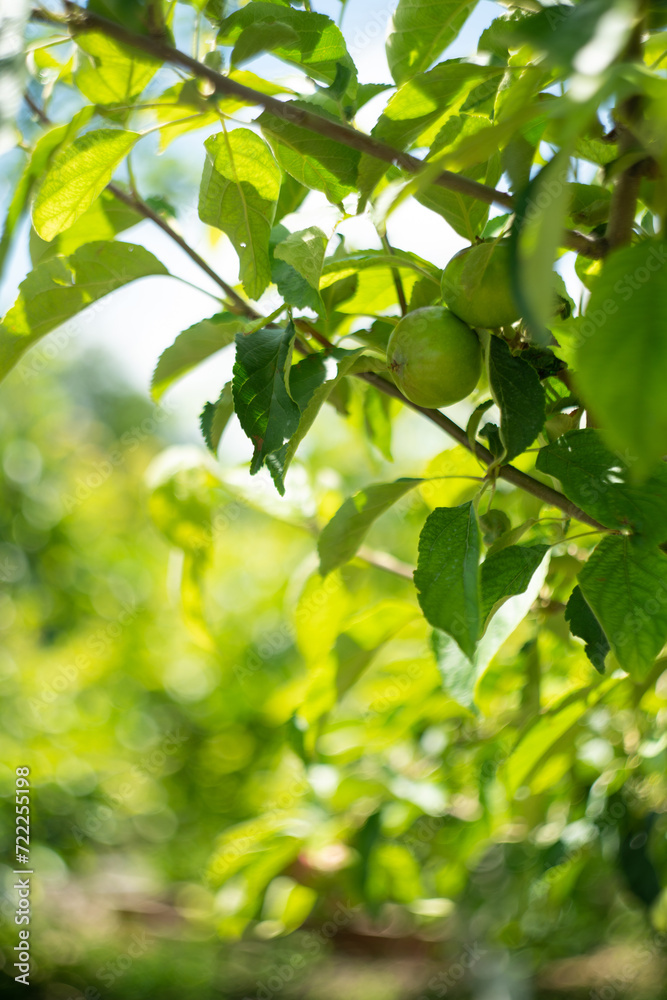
(242, 772)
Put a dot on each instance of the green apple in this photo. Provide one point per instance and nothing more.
(477, 286)
(435, 359)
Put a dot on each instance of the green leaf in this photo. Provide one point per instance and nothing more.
(460, 675)
(377, 420)
(294, 289)
(560, 31)
(292, 195)
(305, 378)
(508, 572)
(304, 250)
(60, 288)
(518, 394)
(128, 13)
(105, 218)
(238, 194)
(337, 268)
(242, 845)
(215, 417)
(419, 109)
(467, 216)
(585, 625)
(366, 91)
(537, 230)
(114, 73)
(625, 584)
(599, 482)
(182, 108)
(45, 149)
(266, 411)
(195, 344)
(510, 537)
(312, 402)
(494, 525)
(447, 576)
(421, 30)
(297, 265)
(621, 366)
(76, 176)
(589, 204)
(556, 728)
(365, 636)
(308, 40)
(318, 163)
(345, 532)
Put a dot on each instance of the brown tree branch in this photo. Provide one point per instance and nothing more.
(623, 207)
(78, 20)
(132, 200)
(507, 472)
(396, 275)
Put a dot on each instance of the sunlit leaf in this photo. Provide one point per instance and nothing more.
(304, 250)
(105, 218)
(60, 288)
(309, 40)
(342, 536)
(238, 194)
(460, 675)
(421, 30)
(302, 255)
(419, 109)
(76, 176)
(113, 73)
(314, 160)
(45, 149)
(467, 216)
(194, 345)
(557, 726)
(622, 377)
(215, 417)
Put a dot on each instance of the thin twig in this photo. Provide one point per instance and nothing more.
(396, 275)
(144, 209)
(43, 117)
(625, 195)
(132, 200)
(80, 20)
(385, 561)
(507, 472)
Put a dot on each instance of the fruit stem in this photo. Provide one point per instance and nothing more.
(396, 275)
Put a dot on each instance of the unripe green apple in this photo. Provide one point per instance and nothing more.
(435, 359)
(477, 286)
